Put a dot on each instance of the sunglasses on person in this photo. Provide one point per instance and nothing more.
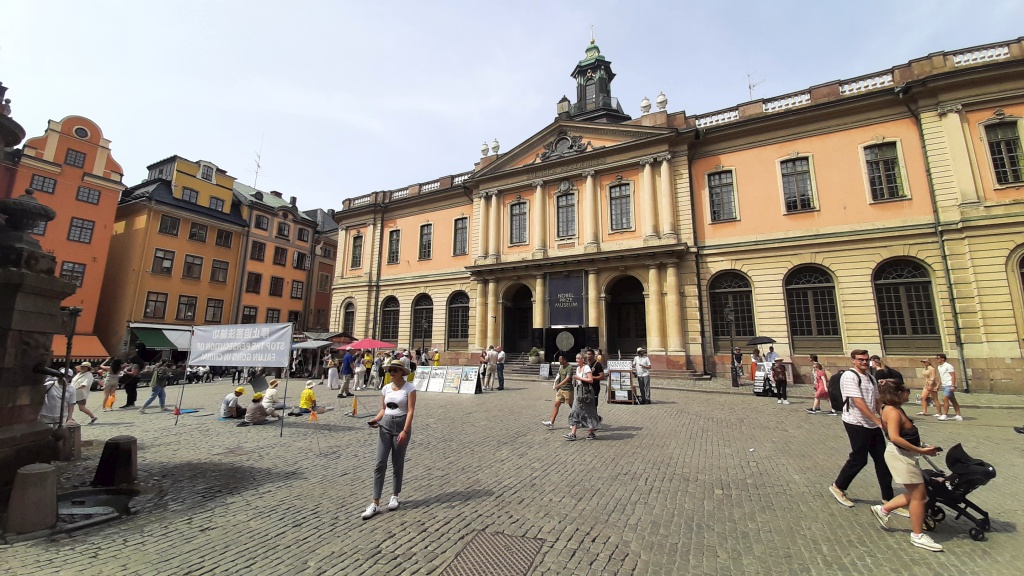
(862, 359)
(393, 370)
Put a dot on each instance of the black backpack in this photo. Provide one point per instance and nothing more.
(835, 391)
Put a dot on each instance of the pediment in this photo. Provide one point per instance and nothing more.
(565, 139)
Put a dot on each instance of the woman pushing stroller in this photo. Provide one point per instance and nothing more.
(901, 454)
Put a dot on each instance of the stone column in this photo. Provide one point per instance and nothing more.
(540, 216)
(496, 218)
(593, 299)
(673, 308)
(655, 311)
(650, 201)
(540, 307)
(481, 313)
(493, 312)
(591, 214)
(667, 199)
(484, 220)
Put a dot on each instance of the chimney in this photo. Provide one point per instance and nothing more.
(291, 200)
(330, 212)
(275, 193)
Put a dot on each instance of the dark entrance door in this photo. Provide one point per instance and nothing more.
(518, 321)
(626, 317)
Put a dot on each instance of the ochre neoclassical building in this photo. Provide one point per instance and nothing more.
(883, 212)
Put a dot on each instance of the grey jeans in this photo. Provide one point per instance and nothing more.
(390, 428)
(644, 384)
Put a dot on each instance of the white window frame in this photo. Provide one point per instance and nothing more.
(632, 205)
(469, 239)
(213, 175)
(1006, 118)
(419, 243)
(706, 194)
(866, 178)
(576, 213)
(526, 225)
(814, 182)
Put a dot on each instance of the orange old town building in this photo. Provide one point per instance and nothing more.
(70, 168)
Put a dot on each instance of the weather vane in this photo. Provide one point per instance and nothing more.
(591, 33)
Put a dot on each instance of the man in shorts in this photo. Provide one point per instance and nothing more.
(562, 388)
(947, 379)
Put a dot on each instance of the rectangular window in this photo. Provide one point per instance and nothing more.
(303, 234)
(257, 251)
(796, 184)
(42, 184)
(74, 158)
(276, 286)
(1007, 155)
(249, 314)
(566, 215)
(72, 272)
(280, 256)
(721, 196)
(327, 252)
(86, 194)
(517, 223)
(40, 229)
(197, 232)
(193, 267)
(163, 261)
(357, 252)
(156, 305)
(883, 166)
(297, 287)
(253, 282)
(394, 241)
(284, 230)
(214, 310)
(300, 260)
(206, 173)
(81, 230)
(190, 195)
(619, 207)
(273, 316)
(217, 204)
(262, 223)
(293, 316)
(219, 271)
(426, 241)
(461, 243)
(323, 283)
(186, 308)
(169, 225)
(224, 238)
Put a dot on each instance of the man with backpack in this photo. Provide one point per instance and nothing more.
(863, 426)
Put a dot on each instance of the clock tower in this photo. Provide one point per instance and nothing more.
(594, 101)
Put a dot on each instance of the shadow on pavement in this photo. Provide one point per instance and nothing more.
(448, 497)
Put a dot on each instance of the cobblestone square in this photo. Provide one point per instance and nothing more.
(697, 483)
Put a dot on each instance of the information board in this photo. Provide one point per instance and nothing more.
(421, 378)
(545, 370)
(452, 379)
(436, 382)
(620, 382)
(469, 376)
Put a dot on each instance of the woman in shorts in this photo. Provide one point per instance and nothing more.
(113, 367)
(930, 389)
(901, 454)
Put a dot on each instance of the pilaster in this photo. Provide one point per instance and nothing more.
(666, 199)
(592, 214)
(650, 202)
(655, 311)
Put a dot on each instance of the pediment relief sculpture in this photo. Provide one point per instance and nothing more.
(562, 146)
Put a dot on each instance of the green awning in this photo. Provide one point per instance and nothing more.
(153, 339)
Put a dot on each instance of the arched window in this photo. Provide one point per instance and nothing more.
(458, 321)
(906, 311)
(731, 289)
(348, 318)
(389, 319)
(422, 320)
(812, 311)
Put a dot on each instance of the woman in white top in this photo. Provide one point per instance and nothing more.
(394, 423)
(81, 384)
(333, 380)
(270, 399)
(584, 402)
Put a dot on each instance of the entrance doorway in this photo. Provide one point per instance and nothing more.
(517, 320)
(626, 317)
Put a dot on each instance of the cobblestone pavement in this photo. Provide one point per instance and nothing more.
(696, 483)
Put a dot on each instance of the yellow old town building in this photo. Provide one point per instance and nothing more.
(883, 212)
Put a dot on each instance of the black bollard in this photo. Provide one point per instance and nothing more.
(118, 463)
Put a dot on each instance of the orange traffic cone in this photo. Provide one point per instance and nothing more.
(177, 411)
(312, 416)
(355, 403)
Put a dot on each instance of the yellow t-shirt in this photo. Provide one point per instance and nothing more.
(437, 358)
(307, 399)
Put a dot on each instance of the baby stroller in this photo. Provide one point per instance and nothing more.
(950, 490)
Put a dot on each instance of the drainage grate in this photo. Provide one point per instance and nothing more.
(495, 554)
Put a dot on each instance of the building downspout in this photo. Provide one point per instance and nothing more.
(380, 263)
(696, 259)
(901, 91)
(242, 257)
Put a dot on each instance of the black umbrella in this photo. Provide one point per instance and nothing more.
(757, 340)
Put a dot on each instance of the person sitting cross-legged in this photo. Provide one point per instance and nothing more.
(229, 407)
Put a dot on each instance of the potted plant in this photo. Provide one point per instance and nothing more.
(536, 355)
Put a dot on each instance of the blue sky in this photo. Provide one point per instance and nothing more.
(351, 97)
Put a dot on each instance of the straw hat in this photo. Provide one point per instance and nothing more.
(273, 383)
(310, 384)
(397, 364)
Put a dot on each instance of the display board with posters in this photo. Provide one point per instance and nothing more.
(469, 379)
(621, 388)
(545, 370)
(421, 378)
(436, 381)
(452, 379)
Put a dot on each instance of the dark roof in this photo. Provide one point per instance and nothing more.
(160, 191)
(324, 223)
(269, 202)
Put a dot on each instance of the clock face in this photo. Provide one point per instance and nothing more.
(564, 340)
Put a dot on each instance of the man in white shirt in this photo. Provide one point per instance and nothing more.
(642, 368)
(770, 357)
(863, 426)
(492, 367)
(947, 379)
(501, 367)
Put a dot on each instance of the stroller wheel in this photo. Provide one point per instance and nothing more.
(986, 525)
(938, 514)
(929, 523)
(976, 534)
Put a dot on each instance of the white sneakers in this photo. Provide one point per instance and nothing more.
(925, 541)
(881, 516)
(372, 510)
(393, 504)
(942, 417)
(840, 496)
(779, 401)
(786, 402)
(958, 418)
(548, 424)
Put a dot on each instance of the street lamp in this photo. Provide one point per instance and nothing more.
(730, 318)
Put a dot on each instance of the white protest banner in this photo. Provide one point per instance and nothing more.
(241, 345)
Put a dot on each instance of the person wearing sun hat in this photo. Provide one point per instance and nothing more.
(642, 369)
(81, 384)
(307, 401)
(229, 407)
(269, 400)
(394, 424)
